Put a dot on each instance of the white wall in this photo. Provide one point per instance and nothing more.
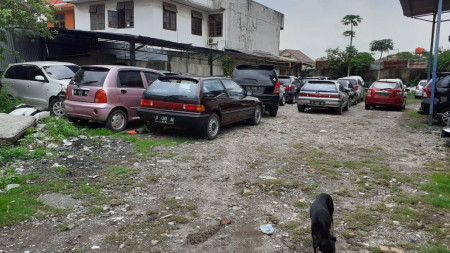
(247, 25)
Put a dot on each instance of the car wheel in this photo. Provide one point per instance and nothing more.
(339, 110)
(293, 100)
(347, 107)
(256, 117)
(354, 101)
(444, 117)
(212, 128)
(367, 107)
(300, 108)
(273, 111)
(404, 105)
(117, 120)
(282, 101)
(56, 107)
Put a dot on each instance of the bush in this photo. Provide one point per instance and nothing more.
(7, 102)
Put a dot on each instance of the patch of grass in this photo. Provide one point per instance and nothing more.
(7, 102)
(439, 190)
(143, 146)
(191, 207)
(169, 155)
(178, 219)
(60, 170)
(361, 219)
(118, 171)
(415, 114)
(64, 227)
(154, 178)
(198, 176)
(405, 214)
(291, 225)
(10, 153)
(418, 125)
(85, 189)
(276, 187)
(10, 176)
(94, 210)
(16, 206)
(436, 250)
(58, 128)
(188, 157)
(300, 204)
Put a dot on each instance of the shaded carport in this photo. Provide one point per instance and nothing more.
(138, 42)
(424, 10)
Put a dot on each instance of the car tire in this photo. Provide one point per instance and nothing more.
(367, 107)
(293, 100)
(356, 102)
(282, 101)
(212, 127)
(347, 107)
(404, 105)
(117, 120)
(273, 111)
(256, 117)
(339, 110)
(56, 107)
(444, 116)
(301, 108)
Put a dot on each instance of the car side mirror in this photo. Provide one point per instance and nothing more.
(39, 78)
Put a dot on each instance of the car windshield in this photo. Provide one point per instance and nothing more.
(174, 88)
(316, 86)
(90, 77)
(385, 85)
(60, 72)
(352, 81)
(283, 80)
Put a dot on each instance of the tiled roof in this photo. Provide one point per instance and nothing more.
(298, 55)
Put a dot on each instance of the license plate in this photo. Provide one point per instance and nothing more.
(80, 92)
(164, 119)
(317, 102)
(255, 90)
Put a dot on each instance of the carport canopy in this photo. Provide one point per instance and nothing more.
(420, 8)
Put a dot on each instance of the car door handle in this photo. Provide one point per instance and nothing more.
(123, 91)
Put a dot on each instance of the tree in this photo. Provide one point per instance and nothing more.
(337, 60)
(31, 16)
(404, 56)
(361, 63)
(381, 46)
(352, 20)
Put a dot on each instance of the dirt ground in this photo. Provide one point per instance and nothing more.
(172, 198)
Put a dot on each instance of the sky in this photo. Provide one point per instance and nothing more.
(312, 26)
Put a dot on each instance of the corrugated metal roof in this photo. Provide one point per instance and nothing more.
(415, 8)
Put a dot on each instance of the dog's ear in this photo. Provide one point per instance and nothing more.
(333, 238)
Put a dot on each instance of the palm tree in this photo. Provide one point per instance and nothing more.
(352, 20)
(381, 46)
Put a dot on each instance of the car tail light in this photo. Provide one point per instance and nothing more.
(172, 106)
(355, 86)
(277, 88)
(303, 95)
(67, 93)
(333, 96)
(369, 91)
(100, 97)
(426, 92)
(288, 88)
(417, 87)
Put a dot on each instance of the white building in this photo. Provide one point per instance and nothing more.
(242, 25)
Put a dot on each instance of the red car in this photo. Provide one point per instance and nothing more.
(386, 93)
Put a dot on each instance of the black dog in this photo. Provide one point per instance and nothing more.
(322, 228)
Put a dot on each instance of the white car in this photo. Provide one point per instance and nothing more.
(358, 84)
(41, 84)
(418, 92)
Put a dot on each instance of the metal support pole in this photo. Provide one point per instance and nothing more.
(430, 59)
(210, 60)
(132, 54)
(436, 50)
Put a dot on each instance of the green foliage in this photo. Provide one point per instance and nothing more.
(337, 66)
(381, 46)
(439, 190)
(443, 63)
(226, 65)
(7, 102)
(9, 176)
(59, 128)
(10, 152)
(361, 63)
(30, 15)
(404, 56)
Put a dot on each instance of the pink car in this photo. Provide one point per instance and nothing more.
(109, 94)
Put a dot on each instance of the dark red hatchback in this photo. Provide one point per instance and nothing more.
(204, 103)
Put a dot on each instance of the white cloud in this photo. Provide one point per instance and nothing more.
(313, 26)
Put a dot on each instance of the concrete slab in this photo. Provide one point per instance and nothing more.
(12, 127)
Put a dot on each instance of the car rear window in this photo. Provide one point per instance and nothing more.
(90, 76)
(319, 86)
(385, 85)
(255, 74)
(61, 72)
(185, 89)
(283, 80)
(352, 81)
(423, 83)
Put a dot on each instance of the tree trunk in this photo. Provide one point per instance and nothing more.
(379, 62)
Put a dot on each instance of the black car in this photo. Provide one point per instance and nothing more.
(203, 103)
(260, 81)
(291, 86)
(348, 86)
(441, 105)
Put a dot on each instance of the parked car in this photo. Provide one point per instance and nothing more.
(386, 93)
(262, 82)
(358, 84)
(109, 94)
(41, 84)
(308, 78)
(204, 103)
(323, 94)
(291, 86)
(419, 88)
(350, 90)
(399, 81)
(282, 96)
(441, 105)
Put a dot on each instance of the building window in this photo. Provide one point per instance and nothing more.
(215, 25)
(169, 16)
(97, 17)
(123, 17)
(60, 20)
(197, 18)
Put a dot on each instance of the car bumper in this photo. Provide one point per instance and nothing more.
(90, 111)
(319, 103)
(383, 101)
(180, 119)
(289, 95)
(418, 93)
(269, 100)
